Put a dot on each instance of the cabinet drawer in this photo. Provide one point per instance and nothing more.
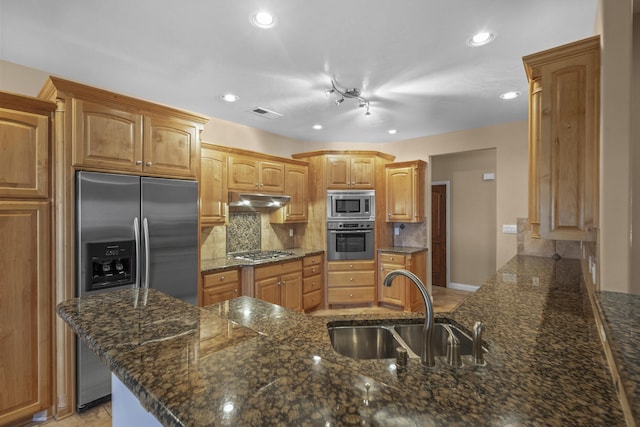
(277, 269)
(351, 265)
(312, 260)
(220, 293)
(351, 278)
(312, 270)
(351, 295)
(312, 299)
(311, 284)
(391, 258)
(221, 278)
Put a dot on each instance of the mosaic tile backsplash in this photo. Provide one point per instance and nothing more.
(243, 232)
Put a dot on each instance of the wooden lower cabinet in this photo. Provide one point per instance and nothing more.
(351, 282)
(402, 293)
(25, 310)
(221, 286)
(312, 281)
(280, 283)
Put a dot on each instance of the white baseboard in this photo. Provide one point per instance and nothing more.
(463, 287)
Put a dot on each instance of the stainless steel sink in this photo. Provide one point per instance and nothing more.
(364, 342)
(381, 341)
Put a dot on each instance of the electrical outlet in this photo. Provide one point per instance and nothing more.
(509, 228)
(291, 232)
(396, 230)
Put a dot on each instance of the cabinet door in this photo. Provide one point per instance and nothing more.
(243, 173)
(291, 291)
(399, 194)
(268, 290)
(106, 137)
(396, 293)
(213, 186)
(170, 147)
(24, 164)
(295, 185)
(362, 172)
(26, 314)
(271, 177)
(338, 172)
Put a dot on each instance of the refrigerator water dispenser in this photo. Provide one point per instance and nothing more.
(110, 264)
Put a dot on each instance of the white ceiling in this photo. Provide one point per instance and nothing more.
(408, 57)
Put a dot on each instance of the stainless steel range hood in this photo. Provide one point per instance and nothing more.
(239, 201)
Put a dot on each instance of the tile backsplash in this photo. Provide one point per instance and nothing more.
(544, 248)
(243, 232)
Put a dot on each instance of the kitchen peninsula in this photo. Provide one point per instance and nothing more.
(247, 362)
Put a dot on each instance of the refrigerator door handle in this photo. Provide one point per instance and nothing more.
(147, 255)
(136, 235)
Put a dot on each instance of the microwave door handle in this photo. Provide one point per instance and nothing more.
(147, 255)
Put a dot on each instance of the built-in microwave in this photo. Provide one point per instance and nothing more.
(351, 205)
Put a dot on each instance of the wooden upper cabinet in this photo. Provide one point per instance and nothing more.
(107, 137)
(24, 144)
(564, 123)
(405, 191)
(169, 146)
(213, 186)
(296, 185)
(115, 133)
(249, 174)
(346, 172)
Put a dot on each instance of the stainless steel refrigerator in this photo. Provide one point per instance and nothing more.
(131, 231)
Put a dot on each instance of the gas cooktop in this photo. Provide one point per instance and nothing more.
(262, 255)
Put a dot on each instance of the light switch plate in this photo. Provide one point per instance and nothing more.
(509, 228)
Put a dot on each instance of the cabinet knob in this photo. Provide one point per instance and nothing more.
(351, 279)
(350, 295)
(138, 162)
(350, 265)
(221, 278)
(257, 185)
(313, 270)
(148, 163)
(284, 282)
(235, 291)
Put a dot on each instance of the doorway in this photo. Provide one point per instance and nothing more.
(439, 233)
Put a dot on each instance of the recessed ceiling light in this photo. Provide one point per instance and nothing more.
(480, 39)
(510, 95)
(229, 97)
(392, 131)
(317, 127)
(263, 19)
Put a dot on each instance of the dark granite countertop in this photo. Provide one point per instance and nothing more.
(223, 263)
(621, 314)
(403, 249)
(247, 362)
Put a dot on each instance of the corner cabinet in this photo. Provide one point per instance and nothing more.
(115, 133)
(405, 191)
(213, 186)
(26, 290)
(402, 293)
(564, 119)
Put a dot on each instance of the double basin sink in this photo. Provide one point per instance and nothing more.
(380, 341)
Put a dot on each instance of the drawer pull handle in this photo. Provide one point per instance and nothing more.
(351, 279)
(221, 278)
(149, 163)
(138, 162)
(351, 295)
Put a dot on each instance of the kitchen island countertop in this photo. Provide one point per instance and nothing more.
(247, 362)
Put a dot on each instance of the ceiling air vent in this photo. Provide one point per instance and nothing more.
(267, 114)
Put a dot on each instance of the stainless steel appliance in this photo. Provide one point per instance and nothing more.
(350, 240)
(351, 205)
(131, 231)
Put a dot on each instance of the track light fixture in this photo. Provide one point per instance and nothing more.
(349, 93)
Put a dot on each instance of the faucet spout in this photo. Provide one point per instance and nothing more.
(426, 357)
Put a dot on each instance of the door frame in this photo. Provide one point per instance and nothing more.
(447, 185)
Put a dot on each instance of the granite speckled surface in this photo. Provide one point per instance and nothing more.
(247, 362)
(222, 263)
(621, 313)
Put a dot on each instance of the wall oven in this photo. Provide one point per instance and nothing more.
(351, 205)
(350, 240)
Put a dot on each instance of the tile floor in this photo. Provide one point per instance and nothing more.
(444, 300)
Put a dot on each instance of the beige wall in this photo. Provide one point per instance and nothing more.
(635, 155)
(472, 212)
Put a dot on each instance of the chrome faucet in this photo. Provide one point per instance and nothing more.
(426, 357)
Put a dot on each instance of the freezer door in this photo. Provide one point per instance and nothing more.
(170, 208)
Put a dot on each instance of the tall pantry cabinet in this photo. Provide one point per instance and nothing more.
(26, 291)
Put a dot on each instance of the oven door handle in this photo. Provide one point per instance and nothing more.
(349, 231)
